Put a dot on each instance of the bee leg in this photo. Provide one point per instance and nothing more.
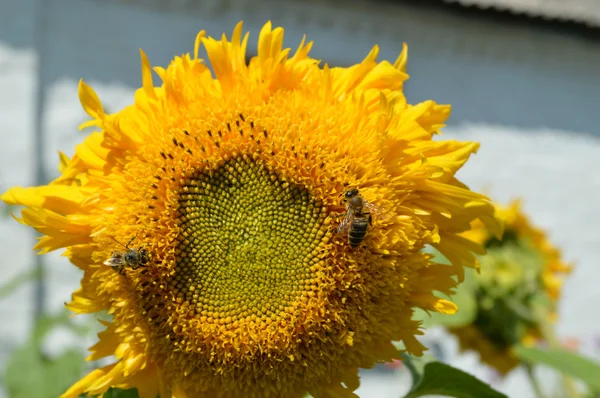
(144, 260)
(370, 220)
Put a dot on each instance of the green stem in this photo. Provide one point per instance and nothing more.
(416, 377)
(18, 281)
(534, 383)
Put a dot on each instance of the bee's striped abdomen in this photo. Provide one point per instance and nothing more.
(358, 230)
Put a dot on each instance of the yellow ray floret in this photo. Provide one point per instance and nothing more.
(228, 187)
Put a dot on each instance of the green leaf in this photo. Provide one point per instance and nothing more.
(442, 379)
(118, 393)
(416, 365)
(30, 374)
(48, 322)
(564, 361)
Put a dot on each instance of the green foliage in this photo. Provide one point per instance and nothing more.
(30, 373)
(442, 379)
(565, 362)
(48, 322)
(118, 393)
(411, 364)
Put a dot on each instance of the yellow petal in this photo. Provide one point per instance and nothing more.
(90, 101)
(446, 307)
(147, 82)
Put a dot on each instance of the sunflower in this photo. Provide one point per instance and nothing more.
(231, 184)
(517, 289)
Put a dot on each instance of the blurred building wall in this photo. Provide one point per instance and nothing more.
(491, 71)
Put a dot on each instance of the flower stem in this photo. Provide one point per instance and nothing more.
(416, 377)
(534, 383)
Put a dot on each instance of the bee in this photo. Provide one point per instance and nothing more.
(132, 258)
(356, 221)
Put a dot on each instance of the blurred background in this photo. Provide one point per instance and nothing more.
(523, 77)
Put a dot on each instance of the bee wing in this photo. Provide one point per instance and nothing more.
(115, 261)
(374, 210)
(345, 223)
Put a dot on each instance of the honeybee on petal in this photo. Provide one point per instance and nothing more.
(358, 217)
(130, 258)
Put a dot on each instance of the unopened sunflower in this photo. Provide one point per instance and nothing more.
(232, 184)
(517, 289)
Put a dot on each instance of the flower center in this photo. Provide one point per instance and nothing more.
(247, 243)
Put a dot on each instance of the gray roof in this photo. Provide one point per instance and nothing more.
(586, 12)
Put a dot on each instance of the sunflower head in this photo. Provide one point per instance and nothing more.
(218, 196)
(518, 287)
